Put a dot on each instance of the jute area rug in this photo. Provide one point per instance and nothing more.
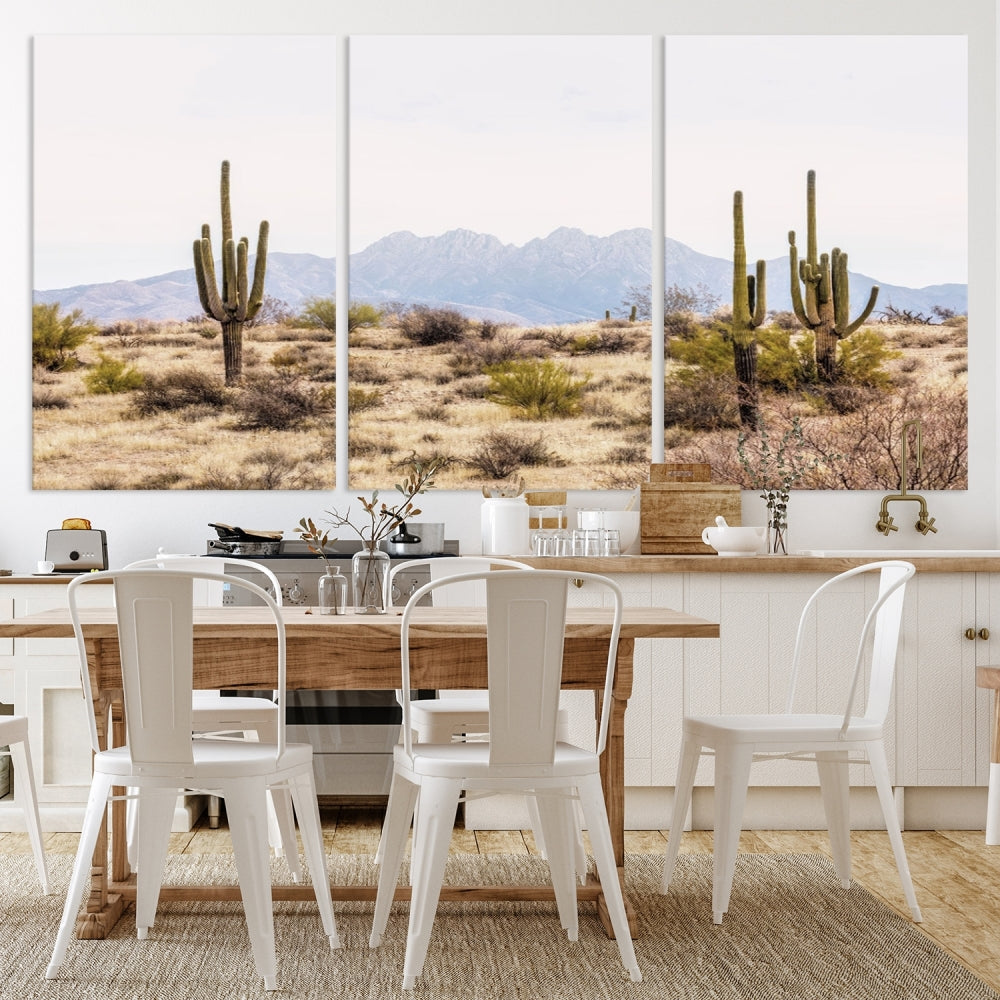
(791, 932)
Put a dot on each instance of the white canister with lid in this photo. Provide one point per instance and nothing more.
(505, 526)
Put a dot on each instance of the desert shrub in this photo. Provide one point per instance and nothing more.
(783, 364)
(291, 356)
(363, 370)
(499, 454)
(707, 348)
(536, 390)
(46, 399)
(557, 339)
(55, 337)
(363, 399)
(110, 375)
(472, 357)
(426, 326)
(627, 454)
(860, 358)
(125, 332)
(276, 403)
(178, 389)
(785, 320)
(700, 400)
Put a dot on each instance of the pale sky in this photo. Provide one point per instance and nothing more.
(130, 133)
(509, 135)
(506, 134)
(882, 121)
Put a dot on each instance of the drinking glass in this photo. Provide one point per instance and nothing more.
(611, 542)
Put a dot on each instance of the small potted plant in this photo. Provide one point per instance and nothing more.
(332, 591)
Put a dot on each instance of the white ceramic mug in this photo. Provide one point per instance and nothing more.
(46, 565)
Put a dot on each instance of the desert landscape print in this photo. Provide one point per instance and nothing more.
(501, 311)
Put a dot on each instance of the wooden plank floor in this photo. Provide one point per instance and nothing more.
(957, 877)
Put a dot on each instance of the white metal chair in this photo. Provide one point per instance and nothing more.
(525, 615)
(155, 612)
(833, 741)
(14, 736)
(466, 714)
(216, 715)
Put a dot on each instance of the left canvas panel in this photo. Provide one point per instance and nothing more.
(143, 146)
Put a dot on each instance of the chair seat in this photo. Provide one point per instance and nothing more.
(472, 761)
(784, 727)
(211, 758)
(213, 712)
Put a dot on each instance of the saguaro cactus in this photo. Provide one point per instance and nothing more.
(827, 303)
(749, 309)
(237, 303)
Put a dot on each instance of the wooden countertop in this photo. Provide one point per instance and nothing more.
(757, 564)
(930, 563)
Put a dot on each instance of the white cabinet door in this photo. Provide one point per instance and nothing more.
(937, 681)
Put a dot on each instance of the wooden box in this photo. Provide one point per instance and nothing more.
(672, 516)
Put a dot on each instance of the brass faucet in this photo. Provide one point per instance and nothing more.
(925, 522)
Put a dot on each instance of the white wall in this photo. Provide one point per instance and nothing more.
(138, 522)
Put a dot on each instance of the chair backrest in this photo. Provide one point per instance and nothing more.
(525, 626)
(209, 594)
(154, 610)
(882, 626)
(470, 595)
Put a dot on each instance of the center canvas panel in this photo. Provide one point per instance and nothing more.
(500, 238)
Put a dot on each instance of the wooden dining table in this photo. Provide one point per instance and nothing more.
(235, 648)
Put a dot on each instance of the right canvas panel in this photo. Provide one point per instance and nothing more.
(831, 171)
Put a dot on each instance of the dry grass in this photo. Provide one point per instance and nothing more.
(410, 401)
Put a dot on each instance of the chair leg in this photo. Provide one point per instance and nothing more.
(280, 817)
(395, 829)
(24, 783)
(732, 775)
(595, 814)
(880, 770)
(556, 820)
(435, 822)
(835, 785)
(94, 816)
(686, 769)
(246, 807)
(302, 790)
(153, 809)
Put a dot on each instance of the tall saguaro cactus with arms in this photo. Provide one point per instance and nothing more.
(749, 309)
(238, 301)
(827, 304)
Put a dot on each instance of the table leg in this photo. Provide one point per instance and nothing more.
(613, 776)
(993, 794)
(103, 908)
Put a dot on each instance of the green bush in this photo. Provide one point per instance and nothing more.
(707, 348)
(111, 376)
(860, 358)
(539, 390)
(54, 338)
(783, 365)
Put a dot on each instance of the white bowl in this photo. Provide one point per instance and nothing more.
(626, 521)
(734, 541)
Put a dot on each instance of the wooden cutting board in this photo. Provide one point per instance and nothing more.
(672, 516)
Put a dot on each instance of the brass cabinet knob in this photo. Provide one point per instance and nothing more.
(970, 633)
(984, 633)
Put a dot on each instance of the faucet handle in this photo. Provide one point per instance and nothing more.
(926, 524)
(885, 525)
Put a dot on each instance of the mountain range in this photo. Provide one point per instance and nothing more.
(564, 277)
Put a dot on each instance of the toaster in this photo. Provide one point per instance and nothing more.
(76, 550)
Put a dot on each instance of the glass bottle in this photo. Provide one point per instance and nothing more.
(332, 592)
(370, 569)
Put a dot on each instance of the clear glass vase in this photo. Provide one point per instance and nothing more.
(370, 569)
(332, 592)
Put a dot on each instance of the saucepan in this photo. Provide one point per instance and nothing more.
(238, 542)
